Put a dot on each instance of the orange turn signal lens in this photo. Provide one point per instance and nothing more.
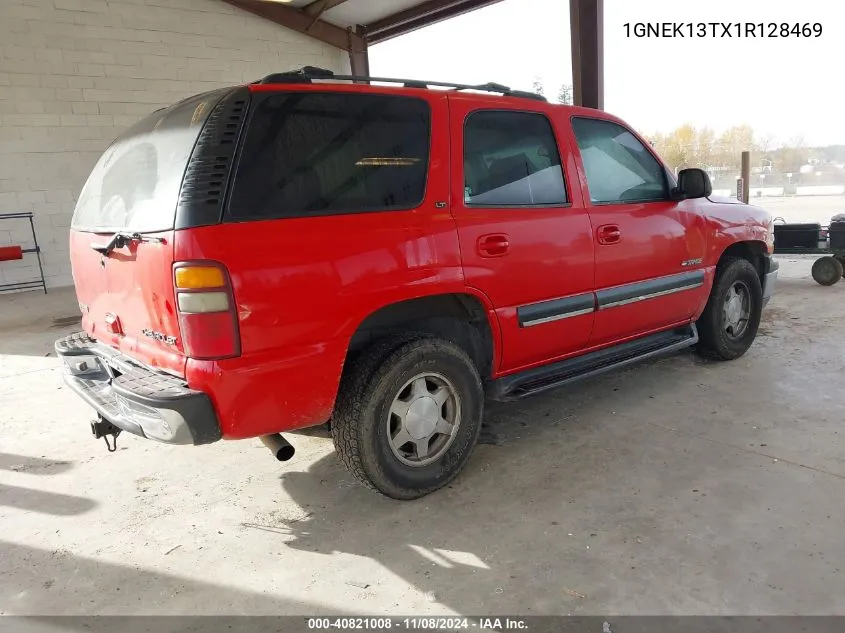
(198, 277)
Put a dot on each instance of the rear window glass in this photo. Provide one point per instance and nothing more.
(329, 153)
(135, 184)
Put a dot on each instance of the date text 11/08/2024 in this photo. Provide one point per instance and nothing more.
(722, 29)
(420, 624)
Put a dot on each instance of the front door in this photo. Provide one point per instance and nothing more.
(649, 248)
(526, 241)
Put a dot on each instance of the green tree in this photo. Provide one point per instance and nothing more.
(678, 148)
(705, 148)
(731, 144)
(537, 86)
(790, 157)
(564, 95)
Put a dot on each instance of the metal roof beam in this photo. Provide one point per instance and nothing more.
(302, 22)
(318, 7)
(420, 16)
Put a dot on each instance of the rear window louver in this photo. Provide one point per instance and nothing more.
(207, 177)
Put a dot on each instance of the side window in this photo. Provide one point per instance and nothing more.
(619, 168)
(308, 153)
(511, 159)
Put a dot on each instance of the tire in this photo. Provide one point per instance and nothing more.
(841, 259)
(827, 270)
(721, 335)
(386, 379)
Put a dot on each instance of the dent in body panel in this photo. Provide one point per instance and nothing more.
(729, 223)
(302, 394)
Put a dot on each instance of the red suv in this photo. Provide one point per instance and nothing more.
(312, 248)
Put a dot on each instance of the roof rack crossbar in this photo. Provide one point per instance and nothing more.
(308, 73)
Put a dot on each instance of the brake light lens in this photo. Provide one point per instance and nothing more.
(207, 316)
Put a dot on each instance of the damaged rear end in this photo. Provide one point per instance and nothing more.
(146, 311)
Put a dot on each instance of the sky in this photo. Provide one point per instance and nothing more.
(784, 88)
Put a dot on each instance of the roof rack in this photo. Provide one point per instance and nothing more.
(307, 74)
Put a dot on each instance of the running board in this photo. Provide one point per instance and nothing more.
(540, 379)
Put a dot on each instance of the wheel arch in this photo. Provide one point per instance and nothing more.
(754, 251)
(463, 318)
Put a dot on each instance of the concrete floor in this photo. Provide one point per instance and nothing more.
(678, 487)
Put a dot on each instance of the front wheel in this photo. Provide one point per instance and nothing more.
(729, 323)
(407, 419)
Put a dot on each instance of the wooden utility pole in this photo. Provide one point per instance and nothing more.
(746, 176)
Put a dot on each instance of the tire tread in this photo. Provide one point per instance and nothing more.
(708, 345)
(350, 400)
(358, 392)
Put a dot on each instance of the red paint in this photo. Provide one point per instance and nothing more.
(301, 287)
(135, 284)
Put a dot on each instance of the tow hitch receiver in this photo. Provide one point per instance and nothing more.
(103, 428)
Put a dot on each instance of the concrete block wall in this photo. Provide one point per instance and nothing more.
(75, 73)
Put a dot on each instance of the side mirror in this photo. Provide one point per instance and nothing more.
(693, 183)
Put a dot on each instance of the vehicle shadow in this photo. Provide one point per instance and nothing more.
(33, 465)
(512, 533)
(33, 500)
(43, 582)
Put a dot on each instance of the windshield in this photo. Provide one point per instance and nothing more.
(135, 184)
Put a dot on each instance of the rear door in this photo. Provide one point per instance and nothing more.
(649, 248)
(524, 234)
(126, 295)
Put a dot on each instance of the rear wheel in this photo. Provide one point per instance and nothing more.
(408, 416)
(827, 270)
(729, 323)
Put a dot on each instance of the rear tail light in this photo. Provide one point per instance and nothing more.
(203, 302)
(207, 315)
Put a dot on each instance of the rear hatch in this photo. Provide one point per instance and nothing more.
(126, 292)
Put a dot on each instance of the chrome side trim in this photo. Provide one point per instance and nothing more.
(556, 309)
(557, 317)
(652, 295)
(649, 289)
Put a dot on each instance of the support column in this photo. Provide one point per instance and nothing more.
(586, 22)
(359, 57)
(745, 170)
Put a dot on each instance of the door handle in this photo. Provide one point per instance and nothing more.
(494, 245)
(609, 234)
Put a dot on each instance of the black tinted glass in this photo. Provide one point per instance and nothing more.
(511, 159)
(330, 153)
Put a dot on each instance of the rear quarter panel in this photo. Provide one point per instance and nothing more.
(302, 287)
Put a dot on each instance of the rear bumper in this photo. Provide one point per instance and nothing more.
(151, 404)
(770, 279)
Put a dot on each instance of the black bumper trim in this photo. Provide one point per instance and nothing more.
(134, 398)
(555, 309)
